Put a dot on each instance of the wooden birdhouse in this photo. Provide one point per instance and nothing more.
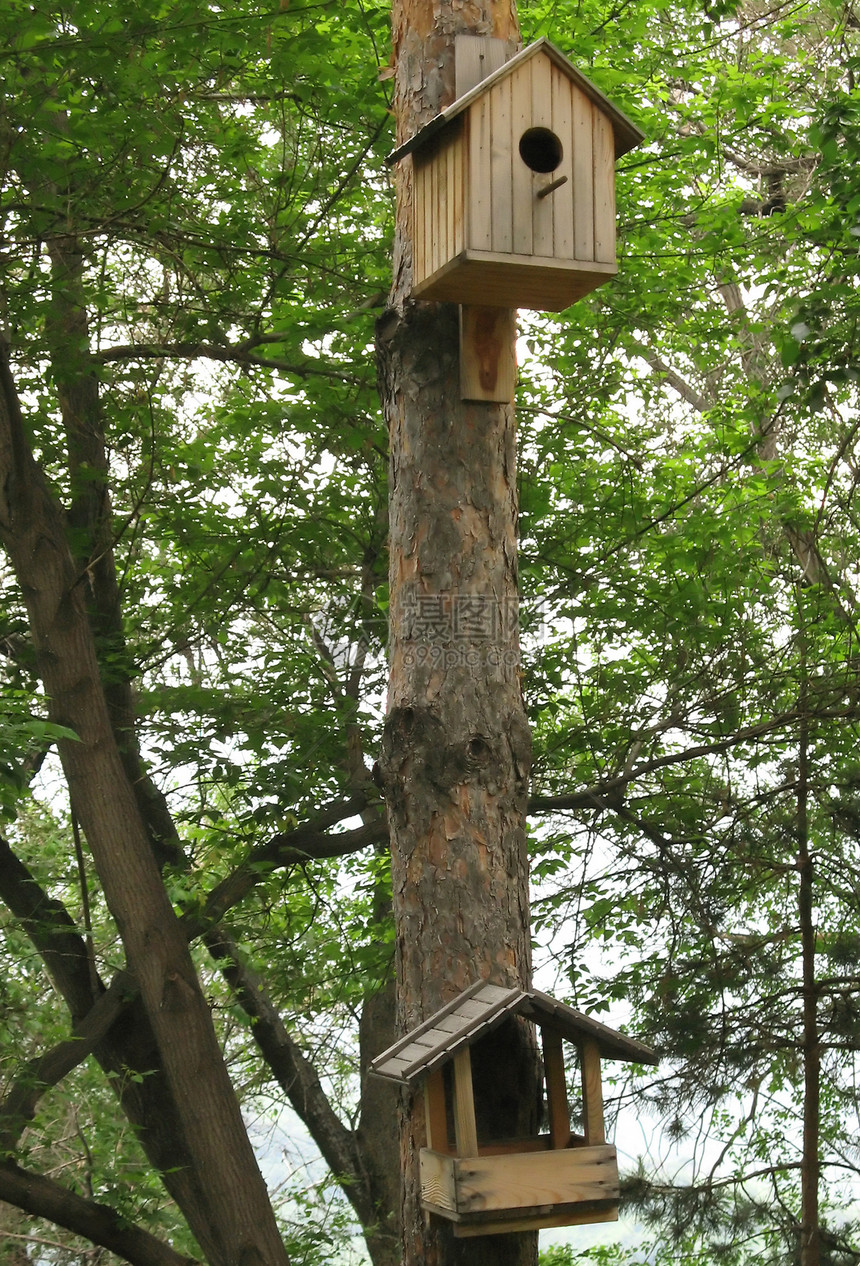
(514, 188)
(490, 1185)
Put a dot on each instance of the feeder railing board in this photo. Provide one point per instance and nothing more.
(503, 1147)
(573, 1183)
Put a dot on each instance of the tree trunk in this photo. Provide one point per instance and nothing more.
(810, 1175)
(238, 1228)
(456, 746)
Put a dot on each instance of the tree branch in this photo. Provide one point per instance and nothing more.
(51, 931)
(680, 385)
(43, 1198)
(127, 1047)
(294, 1073)
(595, 796)
(238, 354)
(19, 1105)
(305, 843)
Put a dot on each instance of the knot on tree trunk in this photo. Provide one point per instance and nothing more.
(419, 751)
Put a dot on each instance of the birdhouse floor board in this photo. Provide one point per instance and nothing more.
(488, 279)
(575, 1215)
(501, 1147)
(462, 1186)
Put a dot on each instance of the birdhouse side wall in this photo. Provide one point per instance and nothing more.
(438, 203)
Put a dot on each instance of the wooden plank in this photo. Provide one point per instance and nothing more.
(435, 1114)
(421, 1046)
(541, 89)
(476, 57)
(393, 1067)
(592, 1093)
(436, 223)
(492, 995)
(604, 189)
(427, 223)
(480, 140)
(439, 213)
(438, 1187)
(448, 1024)
(501, 171)
(470, 1009)
(522, 281)
(556, 1089)
(582, 131)
(429, 215)
(523, 1181)
(465, 1129)
(573, 1216)
(419, 271)
(488, 355)
(523, 183)
(449, 250)
(562, 198)
(543, 242)
(534, 1143)
(458, 240)
(495, 995)
(431, 223)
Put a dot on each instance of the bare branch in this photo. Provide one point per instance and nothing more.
(19, 1106)
(306, 843)
(598, 794)
(674, 379)
(43, 1198)
(238, 354)
(293, 1071)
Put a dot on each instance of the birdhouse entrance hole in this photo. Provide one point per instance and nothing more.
(541, 150)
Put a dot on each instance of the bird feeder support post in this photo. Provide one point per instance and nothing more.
(556, 1089)
(465, 1127)
(592, 1094)
(435, 1115)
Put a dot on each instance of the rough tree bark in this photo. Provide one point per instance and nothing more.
(456, 745)
(236, 1226)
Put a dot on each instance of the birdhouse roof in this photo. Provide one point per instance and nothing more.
(627, 134)
(480, 1009)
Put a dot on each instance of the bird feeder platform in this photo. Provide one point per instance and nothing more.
(486, 1186)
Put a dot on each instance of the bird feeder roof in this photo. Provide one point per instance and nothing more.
(480, 1009)
(627, 134)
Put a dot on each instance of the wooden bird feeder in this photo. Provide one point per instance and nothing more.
(514, 187)
(487, 1186)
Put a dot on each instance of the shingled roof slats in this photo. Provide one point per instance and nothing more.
(481, 1008)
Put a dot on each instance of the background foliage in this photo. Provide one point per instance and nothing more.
(689, 569)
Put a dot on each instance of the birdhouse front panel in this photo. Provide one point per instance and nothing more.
(514, 189)
(535, 129)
